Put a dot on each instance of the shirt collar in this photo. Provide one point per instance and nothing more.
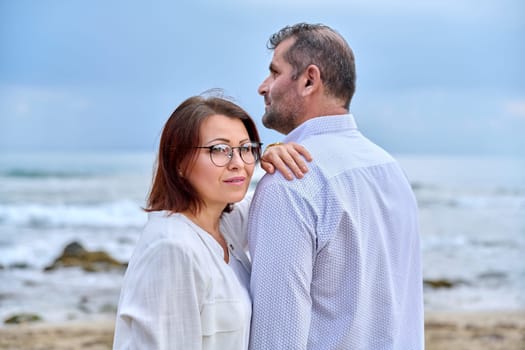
(321, 125)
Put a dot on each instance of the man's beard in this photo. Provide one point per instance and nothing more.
(282, 121)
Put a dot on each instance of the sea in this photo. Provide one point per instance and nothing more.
(472, 220)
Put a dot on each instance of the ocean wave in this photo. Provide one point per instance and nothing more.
(493, 189)
(471, 203)
(43, 174)
(434, 196)
(111, 214)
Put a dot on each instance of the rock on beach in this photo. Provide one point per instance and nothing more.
(75, 255)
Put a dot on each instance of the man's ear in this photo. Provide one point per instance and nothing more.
(311, 78)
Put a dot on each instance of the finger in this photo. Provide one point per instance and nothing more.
(282, 168)
(298, 161)
(302, 150)
(267, 167)
(286, 163)
(285, 158)
(296, 164)
(294, 159)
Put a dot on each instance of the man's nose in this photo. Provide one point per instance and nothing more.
(263, 88)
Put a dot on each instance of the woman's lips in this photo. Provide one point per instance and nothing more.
(235, 180)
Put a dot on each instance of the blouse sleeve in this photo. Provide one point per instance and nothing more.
(162, 298)
(237, 221)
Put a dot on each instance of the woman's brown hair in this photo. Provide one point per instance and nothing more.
(181, 134)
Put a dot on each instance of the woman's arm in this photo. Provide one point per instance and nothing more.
(287, 158)
(161, 301)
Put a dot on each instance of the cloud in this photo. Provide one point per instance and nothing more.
(34, 102)
(426, 69)
(442, 121)
(456, 9)
(515, 108)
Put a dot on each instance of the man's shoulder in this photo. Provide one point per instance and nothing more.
(345, 150)
(304, 189)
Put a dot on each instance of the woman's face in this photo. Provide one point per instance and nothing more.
(220, 185)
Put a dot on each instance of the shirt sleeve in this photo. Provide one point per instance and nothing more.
(161, 303)
(282, 244)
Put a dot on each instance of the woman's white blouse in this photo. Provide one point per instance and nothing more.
(178, 292)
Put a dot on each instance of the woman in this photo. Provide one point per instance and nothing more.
(186, 286)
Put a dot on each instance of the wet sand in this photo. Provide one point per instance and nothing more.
(443, 331)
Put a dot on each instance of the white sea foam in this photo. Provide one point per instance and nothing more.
(123, 213)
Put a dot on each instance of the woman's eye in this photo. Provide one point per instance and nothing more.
(245, 149)
(220, 149)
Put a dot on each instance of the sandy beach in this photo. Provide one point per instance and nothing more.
(475, 330)
(444, 331)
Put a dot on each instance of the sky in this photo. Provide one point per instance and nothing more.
(433, 77)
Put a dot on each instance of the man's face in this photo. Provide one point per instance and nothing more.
(283, 102)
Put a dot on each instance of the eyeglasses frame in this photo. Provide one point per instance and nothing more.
(255, 146)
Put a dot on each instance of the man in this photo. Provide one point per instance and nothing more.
(336, 257)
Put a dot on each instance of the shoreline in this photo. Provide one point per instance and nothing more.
(488, 330)
(443, 330)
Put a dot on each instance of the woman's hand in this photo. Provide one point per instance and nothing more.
(287, 158)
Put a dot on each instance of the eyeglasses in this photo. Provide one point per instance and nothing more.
(222, 154)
